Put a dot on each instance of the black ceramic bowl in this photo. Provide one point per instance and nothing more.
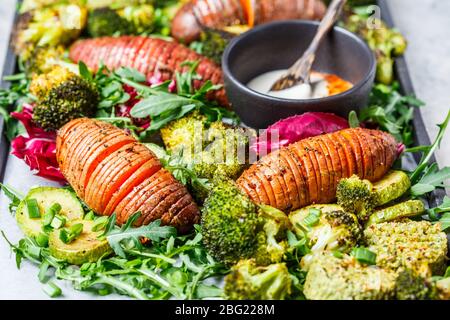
(278, 45)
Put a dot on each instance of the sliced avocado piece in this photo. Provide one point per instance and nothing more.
(392, 186)
(405, 209)
(85, 248)
(46, 196)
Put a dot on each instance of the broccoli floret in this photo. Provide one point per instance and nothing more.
(361, 196)
(419, 246)
(233, 229)
(50, 26)
(130, 20)
(326, 228)
(43, 59)
(410, 286)
(212, 44)
(107, 22)
(141, 17)
(248, 281)
(355, 196)
(61, 97)
(332, 278)
(212, 149)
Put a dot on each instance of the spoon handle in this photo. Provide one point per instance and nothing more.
(299, 72)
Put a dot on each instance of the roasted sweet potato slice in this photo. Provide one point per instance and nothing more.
(129, 183)
(109, 171)
(137, 196)
(148, 207)
(165, 204)
(183, 200)
(101, 153)
(355, 150)
(148, 200)
(272, 173)
(298, 174)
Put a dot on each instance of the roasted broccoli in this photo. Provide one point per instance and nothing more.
(61, 97)
(249, 281)
(129, 20)
(213, 149)
(233, 229)
(43, 59)
(212, 44)
(326, 228)
(361, 196)
(332, 278)
(419, 246)
(50, 26)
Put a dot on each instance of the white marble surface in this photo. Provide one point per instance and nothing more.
(424, 22)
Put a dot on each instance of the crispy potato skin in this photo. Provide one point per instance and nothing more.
(197, 14)
(113, 173)
(149, 56)
(308, 171)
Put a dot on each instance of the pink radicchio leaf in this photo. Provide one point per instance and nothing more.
(296, 128)
(38, 148)
(400, 149)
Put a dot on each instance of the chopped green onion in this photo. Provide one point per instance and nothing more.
(364, 255)
(33, 208)
(50, 214)
(104, 291)
(100, 223)
(89, 216)
(313, 217)
(338, 254)
(35, 252)
(52, 290)
(42, 240)
(58, 222)
(43, 271)
(68, 235)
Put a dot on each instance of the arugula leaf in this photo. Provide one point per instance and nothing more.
(391, 111)
(13, 195)
(431, 179)
(428, 152)
(84, 72)
(353, 120)
(153, 231)
(130, 73)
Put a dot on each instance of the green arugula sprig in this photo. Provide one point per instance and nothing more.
(392, 111)
(133, 236)
(163, 106)
(427, 177)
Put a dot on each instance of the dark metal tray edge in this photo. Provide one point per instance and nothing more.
(420, 134)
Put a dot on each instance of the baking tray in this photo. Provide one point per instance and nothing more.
(402, 74)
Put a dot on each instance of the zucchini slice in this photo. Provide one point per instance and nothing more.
(87, 247)
(45, 197)
(405, 209)
(392, 186)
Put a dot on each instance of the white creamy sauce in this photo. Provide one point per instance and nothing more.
(318, 88)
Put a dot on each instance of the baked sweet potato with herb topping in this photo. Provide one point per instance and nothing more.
(216, 14)
(308, 171)
(113, 173)
(150, 56)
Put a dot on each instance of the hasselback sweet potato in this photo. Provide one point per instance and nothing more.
(197, 14)
(113, 173)
(309, 170)
(150, 56)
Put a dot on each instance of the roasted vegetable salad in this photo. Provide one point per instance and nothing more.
(163, 193)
